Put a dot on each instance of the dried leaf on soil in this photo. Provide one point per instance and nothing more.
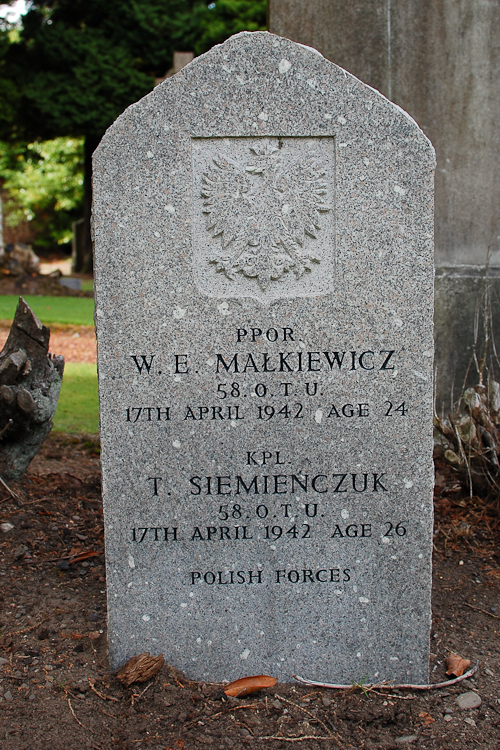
(247, 685)
(455, 665)
(426, 717)
(140, 668)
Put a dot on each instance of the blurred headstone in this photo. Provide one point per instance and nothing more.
(78, 246)
(1, 231)
(70, 283)
(440, 62)
(180, 60)
(19, 259)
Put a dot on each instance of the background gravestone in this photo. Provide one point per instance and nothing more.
(441, 63)
(264, 285)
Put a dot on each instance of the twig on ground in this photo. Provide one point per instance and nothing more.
(242, 724)
(179, 684)
(297, 739)
(105, 713)
(9, 424)
(27, 630)
(75, 716)
(13, 494)
(220, 713)
(104, 697)
(94, 650)
(67, 474)
(138, 696)
(304, 710)
(383, 686)
(391, 695)
(484, 611)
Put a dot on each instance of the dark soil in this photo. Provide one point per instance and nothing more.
(34, 283)
(57, 692)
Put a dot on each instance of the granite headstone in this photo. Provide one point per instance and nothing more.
(263, 229)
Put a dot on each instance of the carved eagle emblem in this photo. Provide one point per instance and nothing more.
(263, 209)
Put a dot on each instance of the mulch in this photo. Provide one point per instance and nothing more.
(57, 691)
(75, 343)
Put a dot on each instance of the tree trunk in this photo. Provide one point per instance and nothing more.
(83, 258)
(30, 381)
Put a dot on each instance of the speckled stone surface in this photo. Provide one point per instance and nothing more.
(264, 289)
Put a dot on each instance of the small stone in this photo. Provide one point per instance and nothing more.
(8, 695)
(469, 700)
(63, 565)
(93, 617)
(31, 697)
(43, 634)
(6, 527)
(448, 710)
(326, 701)
(489, 671)
(471, 722)
(406, 740)
(276, 704)
(20, 552)
(3, 661)
(447, 717)
(81, 696)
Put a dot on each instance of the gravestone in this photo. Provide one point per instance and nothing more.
(264, 283)
(441, 63)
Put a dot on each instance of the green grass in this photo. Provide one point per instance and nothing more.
(75, 311)
(87, 285)
(78, 407)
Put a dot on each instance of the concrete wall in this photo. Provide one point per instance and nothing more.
(440, 61)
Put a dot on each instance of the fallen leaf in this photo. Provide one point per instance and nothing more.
(455, 665)
(426, 717)
(247, 685)
(140, 668)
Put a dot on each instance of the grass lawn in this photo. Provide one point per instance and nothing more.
(71, 311)
(78, 407)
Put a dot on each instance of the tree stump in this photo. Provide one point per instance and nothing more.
(30, 381)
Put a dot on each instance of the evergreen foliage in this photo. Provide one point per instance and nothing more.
(44, 184)
(74, 65)
(77, 64)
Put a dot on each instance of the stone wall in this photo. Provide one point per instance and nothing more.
(441, 63)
